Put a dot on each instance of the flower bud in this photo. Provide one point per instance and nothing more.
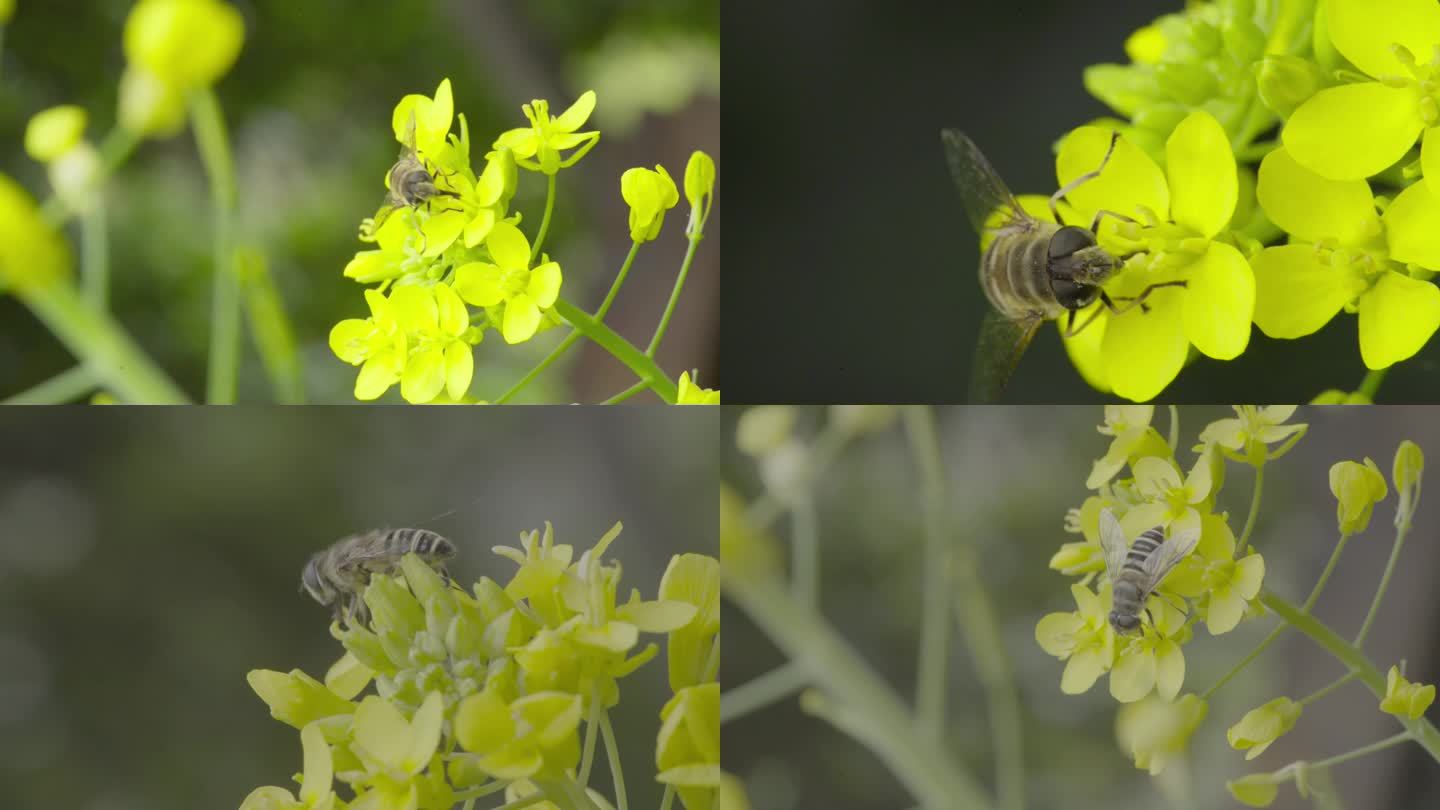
(699, 178)
(186, 43)
(149, 106)
(764, 428)
(32, 254)
(1357, 488)
(1409, 465)
(1243, 39)
(1189, 84)
(1285, 82)
(1263, 726)
(1406, 699)
(53, 132)
(1255, 790)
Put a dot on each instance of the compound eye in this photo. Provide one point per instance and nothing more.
(1068, 240)
(1072, 295)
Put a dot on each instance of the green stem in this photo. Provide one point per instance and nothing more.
(627, 393)
(805, 550)
(612, 752)
(975, 613)
(534, 798)
(1325, 575)
(1245, 662)
(1254, 509)
(101, 345)
(95, 253)
(928, 770)
(67, 386)
(574, 337)
(592, 727)
(764, 690)
(214, 146)
(1371, 384)
(1400, 534)
(555, 354)
(934, 649)
(1325, 690)
(619, 279)
(545, 218)
(669, 797)
(621, 349)
(674, 297)
(1174, 426)
(1364, 750)
(1421, 729)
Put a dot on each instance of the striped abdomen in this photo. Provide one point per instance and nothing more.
(1014, 271)
(1129, 591)
(425, 543)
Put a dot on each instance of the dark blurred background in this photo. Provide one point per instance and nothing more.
(1012, 473)
(308, 105)
(149, 559)
(853, 268)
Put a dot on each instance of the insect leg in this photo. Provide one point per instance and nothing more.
(1071, 330)
(1095, 226)
(1136, 301)
(1082, 179)
(419, 226)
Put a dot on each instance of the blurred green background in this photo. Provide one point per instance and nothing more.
(150, 558)
(1012, 473)
(308, 105)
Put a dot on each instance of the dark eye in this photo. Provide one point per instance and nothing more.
(1068, 240)
(1072, 295)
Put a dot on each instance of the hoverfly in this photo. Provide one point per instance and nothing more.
(411, 182)
(1136, 570)
(1032, 271)
(336, 576)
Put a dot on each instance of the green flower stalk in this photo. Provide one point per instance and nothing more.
(500, 688)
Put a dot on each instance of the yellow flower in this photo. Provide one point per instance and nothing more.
(690, 392)
(538, 146)
(1406, 699)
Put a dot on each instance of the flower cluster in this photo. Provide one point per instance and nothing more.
(1216, 583)
(486, 691)
(451, 242)
(1332, 216)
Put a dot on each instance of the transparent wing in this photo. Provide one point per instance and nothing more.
(981, 190)
(1167, 556)
(1112, 542)
(997, 352)
(407, 146)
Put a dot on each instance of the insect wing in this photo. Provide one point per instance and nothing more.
(982, 192)
(1001, 344)
(1112, 542)
(1166, 556)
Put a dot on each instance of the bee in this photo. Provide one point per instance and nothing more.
(336, 577)
(411, 182)
(1137, 570)
(1032, 271)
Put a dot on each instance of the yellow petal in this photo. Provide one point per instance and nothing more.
(1363, 31)
(1296, 292)
(1219, 302)
(1129, 180)
(1397, 317)
(1411, 226)
(1310, 207)
(1201, 170)
(1144, 351)
(1353, 131)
